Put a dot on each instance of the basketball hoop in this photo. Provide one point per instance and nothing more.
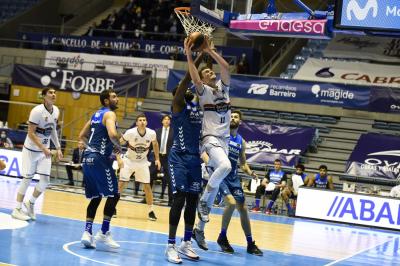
(192, 24)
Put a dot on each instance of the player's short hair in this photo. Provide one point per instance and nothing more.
(141, 115)
(105, 94)
(301, 166)
(45, 90)
(201, 71)
(277, 161)
(164, 116)
(237, 112)
(323, 166)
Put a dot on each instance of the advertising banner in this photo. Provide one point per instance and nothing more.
(365, 48)
(129, 47)
(350, 208)
(357, 73)
(90, 82)
(368, 14)
(296, 91)
(375, 155)
(113, 64)
(13, 160)
(385, 100)
(291, 27)
(264, 142)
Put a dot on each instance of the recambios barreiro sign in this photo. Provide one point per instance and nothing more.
(349, 208)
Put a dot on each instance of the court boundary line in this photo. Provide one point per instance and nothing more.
(361, 251)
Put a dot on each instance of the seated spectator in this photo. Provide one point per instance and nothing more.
(76, 163)
(299, 178)
(242, 66)
(321, 180)
(5, 142)
(91, 32)
(274, 181)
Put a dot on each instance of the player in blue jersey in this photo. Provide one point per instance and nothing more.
(231, 189)
(101, 138)
(322, 179)
(272, 184)
(185, 168)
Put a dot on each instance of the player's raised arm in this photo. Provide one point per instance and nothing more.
(192, 67)
(178, 103)
(225, 75)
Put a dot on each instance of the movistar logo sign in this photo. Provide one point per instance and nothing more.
(354, 9)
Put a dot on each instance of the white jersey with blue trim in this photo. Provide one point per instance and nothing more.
(216, 106)
(45, 123)
(138, 145)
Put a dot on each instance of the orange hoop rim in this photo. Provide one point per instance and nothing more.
(184, 10)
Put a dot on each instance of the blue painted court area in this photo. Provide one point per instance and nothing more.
(55, 241)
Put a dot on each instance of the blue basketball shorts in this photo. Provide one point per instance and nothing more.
(232, 186)
(100, 178)
(185, 172)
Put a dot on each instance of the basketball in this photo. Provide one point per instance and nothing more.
(198, 40)
(2, 165)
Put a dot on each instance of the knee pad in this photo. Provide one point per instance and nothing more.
(23, 186)
(43, 183)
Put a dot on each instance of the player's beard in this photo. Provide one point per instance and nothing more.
(233, 125)
(113, 107)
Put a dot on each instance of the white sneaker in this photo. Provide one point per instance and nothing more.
(172, 254)
(186, 249)
(30, 209)
(105, 241)
(18, 214)
(88, 240)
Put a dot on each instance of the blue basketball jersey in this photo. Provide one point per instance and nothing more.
(99, 141)
(187, 127)
(276, 176)
(321, 182)
(235, 149)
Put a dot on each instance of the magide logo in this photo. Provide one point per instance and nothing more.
(294, 26)
(361, 13)
(395, 107)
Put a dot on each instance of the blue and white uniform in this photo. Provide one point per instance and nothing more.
(100, 179)
(321, 182)
(184, 157)
(231, 184)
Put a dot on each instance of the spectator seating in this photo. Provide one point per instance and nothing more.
(11, 8)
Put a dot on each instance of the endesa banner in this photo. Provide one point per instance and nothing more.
(296, 91)
(357, 73)
(265, 142)
(113, 64)
(348, 208)
(375, 155)
(90, 82)
(13, 160)
(364, 47)
(130, 47)
(281, 26)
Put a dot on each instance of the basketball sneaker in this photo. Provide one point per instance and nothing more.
(203, 211)
(186, 249)
(224, 244)
(253, 249)
(105, 241)
(198, 236)
(172, 254)
(255, 209)
(19, 215)
(88, 240)
(152, 216)
(268, 211)
(30, 209)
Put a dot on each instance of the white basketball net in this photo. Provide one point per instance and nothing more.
(192, 24)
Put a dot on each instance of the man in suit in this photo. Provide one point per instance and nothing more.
(165, 138)
(76, 159)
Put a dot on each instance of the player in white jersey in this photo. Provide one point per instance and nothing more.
(135, 161)
(36, 154)
(214, 100)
